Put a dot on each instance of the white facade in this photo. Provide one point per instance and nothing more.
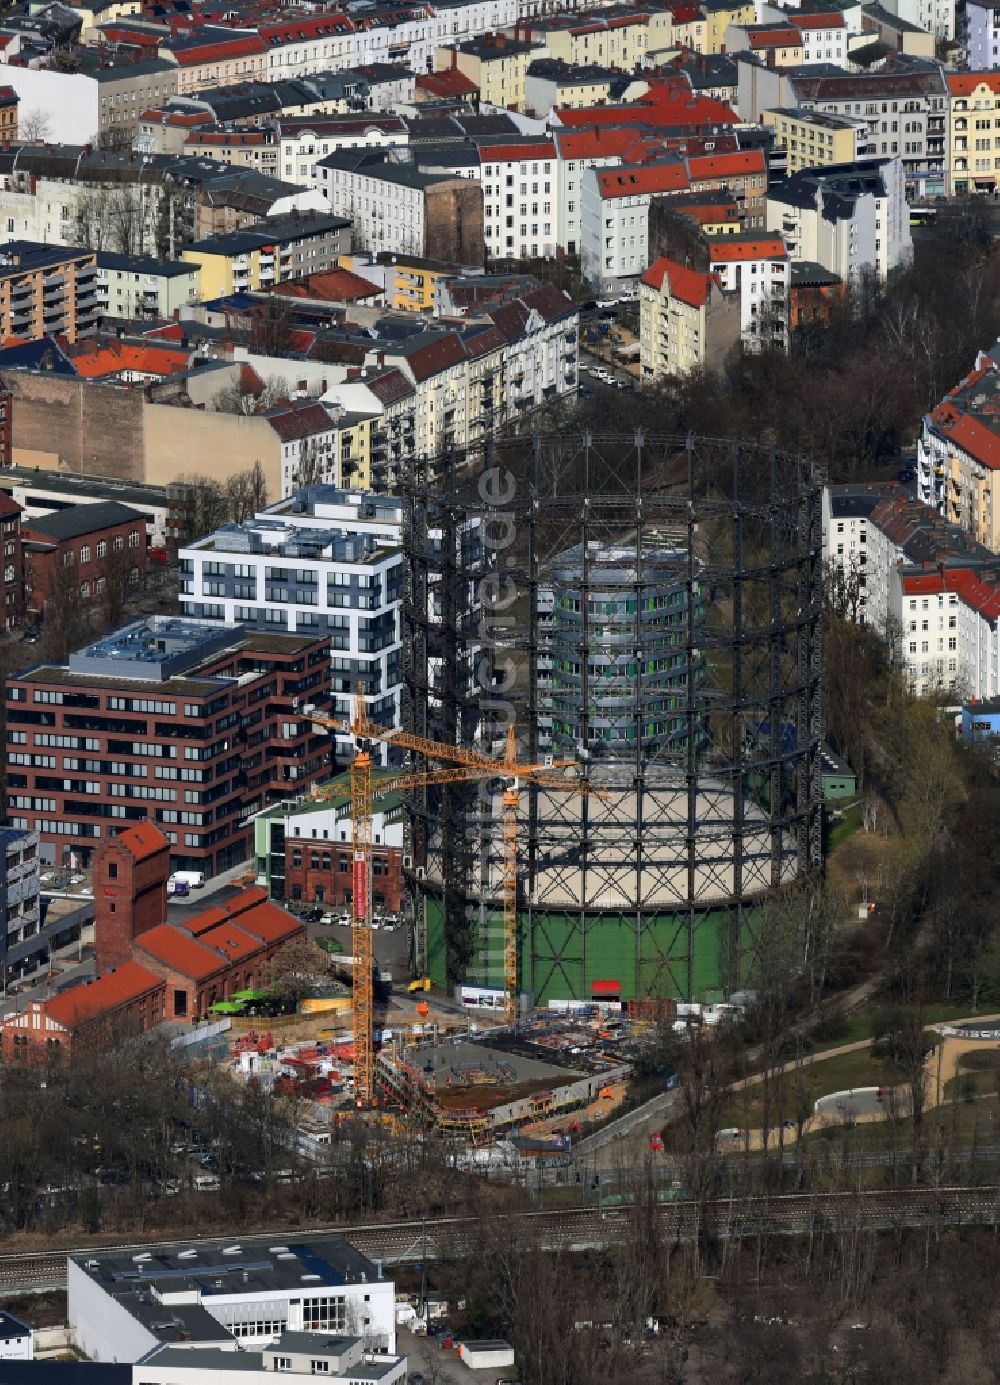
(520, 200)
(872, 230)
(982, 41)
(322, 578)
(17, 1341)
(109, 1326)
(70, 102)
(301, 150)
(935, 17)
(385, 203)
(762, 283)
(569, 177)
(614, 233)
(824, 44)
(138, 287)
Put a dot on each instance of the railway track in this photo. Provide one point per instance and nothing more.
(398, 1243)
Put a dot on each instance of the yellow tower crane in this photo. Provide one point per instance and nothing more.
(463, 765)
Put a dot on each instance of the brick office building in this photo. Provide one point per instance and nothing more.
(190, 724)
(96, 544)
(322, 872)
(12, 589)
(130, 890)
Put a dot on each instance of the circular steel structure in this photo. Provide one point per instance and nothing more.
(650, 608)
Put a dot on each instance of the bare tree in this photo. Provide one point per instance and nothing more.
(234, 399)
(35, 125)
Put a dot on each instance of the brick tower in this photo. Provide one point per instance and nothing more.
(130, 890)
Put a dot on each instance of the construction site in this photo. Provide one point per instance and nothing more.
(611, 744)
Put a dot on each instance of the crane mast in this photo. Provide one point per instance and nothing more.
(463, 765)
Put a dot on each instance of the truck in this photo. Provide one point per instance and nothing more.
(423, 983)
(193, 879)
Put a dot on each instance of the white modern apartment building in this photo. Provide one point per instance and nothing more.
(846, 217)
(303, 142)
(935, 17)
(520, 199)
(326, 562)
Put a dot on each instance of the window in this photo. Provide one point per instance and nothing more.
(119, 542)
(85, 553)
(102, 549)
(133, 539)
(112, 870)
(282, 1363)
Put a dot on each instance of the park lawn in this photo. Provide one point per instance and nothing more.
(839, 1074)
(846, 827)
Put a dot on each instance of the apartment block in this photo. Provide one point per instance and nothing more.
(397, 206)
(812, 139)
(193, 724)
(845, 217)
(45, 291)
(496, 63)
(973, 132)
(686, 321)
(140, 286)
(123, 93)
(20, 908)
(86, 546)
(982, 36)
(282, 247)
(328, 564)
(958, 453)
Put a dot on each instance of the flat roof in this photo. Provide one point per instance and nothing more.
(78, 486)
(228, 1268)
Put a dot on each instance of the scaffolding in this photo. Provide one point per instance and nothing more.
(706, 818)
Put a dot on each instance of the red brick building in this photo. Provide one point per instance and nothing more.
(96, 544)
(12, 589)
(115, 1005)
(190, 724)
(322, 871)
(174, 974)
(230, 947)
(130, 890)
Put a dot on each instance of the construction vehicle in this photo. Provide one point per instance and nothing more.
(422, 983)
(464, 765)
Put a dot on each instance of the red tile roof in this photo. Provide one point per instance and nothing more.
(965, 83)
(731, 249)
(437, 355)
(8, 506)
(450, 82)
(971, 436)
(240, 45)
(231, 941)
(687, 285)
(517, 153)
(784, 37)
(330, 285)
(232, 908)
(143, 840)
(102, 997)
(634, 182)
(300, 420)
(173, 948)
(270, 923)
(972, 589)
(746, 163)
(390, 386)
(819, 19)
(664, 106)
(95, 359)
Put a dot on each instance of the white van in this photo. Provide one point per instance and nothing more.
(207, 1183)
(193, 879)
